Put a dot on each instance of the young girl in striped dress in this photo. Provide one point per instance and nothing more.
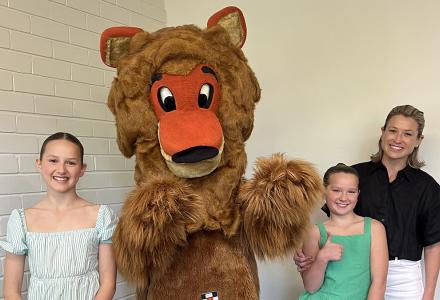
(66, 238)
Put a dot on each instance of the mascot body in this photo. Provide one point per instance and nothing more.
(183, 101)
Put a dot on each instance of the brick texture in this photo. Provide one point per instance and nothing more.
(52, 79)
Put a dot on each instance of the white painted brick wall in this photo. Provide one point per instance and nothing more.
(89, 6)
(50, 29)
(87, 74)
(51, 68)
(84, 38)
(98, 24)
(115, 13)
(67, 15)
(52, 79)
(11, 18)
(70, 89)
(35, 124)
(90, 110)
(4, 38)
(14, 61)
(13, 101)
(9, 164)
(29, 43)
(7, 122)
(33, 84)
(26, 163)
(54, 106)
(77, 127)
(71, 53)
(108, 163)
(104, 129)
(36, 8)
(5, 80)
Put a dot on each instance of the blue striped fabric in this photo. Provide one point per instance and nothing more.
(63, 265)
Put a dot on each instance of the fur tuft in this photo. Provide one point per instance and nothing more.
(154, 222)
(277, 203)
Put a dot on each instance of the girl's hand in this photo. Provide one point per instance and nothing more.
(331, 251)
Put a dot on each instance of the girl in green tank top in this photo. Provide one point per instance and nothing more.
(350, 252)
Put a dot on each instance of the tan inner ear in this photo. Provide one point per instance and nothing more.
(116, 47)
(231, 23)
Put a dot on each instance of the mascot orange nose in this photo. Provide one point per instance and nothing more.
(190, 133)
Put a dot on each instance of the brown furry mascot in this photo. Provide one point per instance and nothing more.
(184, 101)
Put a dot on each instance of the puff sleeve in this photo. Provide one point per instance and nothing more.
(106, 224)
(15, 234)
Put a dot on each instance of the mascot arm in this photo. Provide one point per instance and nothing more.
(154, 222)
(276, 204)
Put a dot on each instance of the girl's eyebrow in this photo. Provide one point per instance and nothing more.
(68, 158)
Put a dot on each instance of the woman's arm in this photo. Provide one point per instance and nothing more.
(302, 261)
(432, 266)
(13, 280)
(107, 273)
(378, 261)
(313, 278)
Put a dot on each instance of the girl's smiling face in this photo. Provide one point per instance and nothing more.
(341, 194)
(61, 166)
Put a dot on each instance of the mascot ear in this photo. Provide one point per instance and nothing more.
(115, 43)
(232, 20)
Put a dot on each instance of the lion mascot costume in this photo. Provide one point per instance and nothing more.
(184, 101)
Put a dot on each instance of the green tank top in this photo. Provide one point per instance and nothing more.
(348, 278)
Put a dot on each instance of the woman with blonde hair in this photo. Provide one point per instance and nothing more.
(406, 200)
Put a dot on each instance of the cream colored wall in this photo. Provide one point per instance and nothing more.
(330, 71)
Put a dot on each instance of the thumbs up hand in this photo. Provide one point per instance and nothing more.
(330, 251)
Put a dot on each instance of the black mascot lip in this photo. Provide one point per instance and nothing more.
(195, 154)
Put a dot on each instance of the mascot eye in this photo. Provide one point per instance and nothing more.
(205, 95)
(166, 99)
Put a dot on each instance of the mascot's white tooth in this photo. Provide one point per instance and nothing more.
(193, 230)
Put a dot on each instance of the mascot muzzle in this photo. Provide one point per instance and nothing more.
(190, 135)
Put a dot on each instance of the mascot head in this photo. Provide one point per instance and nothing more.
(183, 97)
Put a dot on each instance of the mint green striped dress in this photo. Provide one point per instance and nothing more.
(63, 265)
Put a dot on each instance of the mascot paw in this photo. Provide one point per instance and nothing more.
(168, 207)
(154, 222)
(277, 203)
